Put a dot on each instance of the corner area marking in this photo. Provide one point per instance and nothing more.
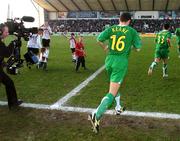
(73, 92)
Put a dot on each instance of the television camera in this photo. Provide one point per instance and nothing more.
(17, 28)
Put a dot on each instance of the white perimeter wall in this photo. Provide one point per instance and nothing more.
(53, 15)
(153, 14)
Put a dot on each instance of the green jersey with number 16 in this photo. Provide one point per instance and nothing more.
(121, 39)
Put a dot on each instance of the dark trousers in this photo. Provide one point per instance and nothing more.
(80, 60)
(10, 88)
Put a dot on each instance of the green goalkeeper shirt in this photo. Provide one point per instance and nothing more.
(121, 39)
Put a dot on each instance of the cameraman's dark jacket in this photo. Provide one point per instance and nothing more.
(5, 52)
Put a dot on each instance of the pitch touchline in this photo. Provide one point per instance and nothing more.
(109, 112)
(125, 113)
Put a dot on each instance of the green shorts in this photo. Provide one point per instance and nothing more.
(161, 53)
(116, 67)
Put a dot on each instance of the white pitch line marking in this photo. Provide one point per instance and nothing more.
(125, 113)
(29, 105)
(109, 112)
(73, 92)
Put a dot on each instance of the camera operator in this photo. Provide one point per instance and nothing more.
(5, 52)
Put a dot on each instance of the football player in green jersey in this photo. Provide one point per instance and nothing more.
(162, 49)
(177, 32)
(121, 38)
(118, 109)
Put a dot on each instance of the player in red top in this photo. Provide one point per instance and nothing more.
(80, 54)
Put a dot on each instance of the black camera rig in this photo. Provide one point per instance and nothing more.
(18, 29)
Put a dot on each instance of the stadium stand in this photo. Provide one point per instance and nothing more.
(108, 5)
(97, 25)
(93, 15)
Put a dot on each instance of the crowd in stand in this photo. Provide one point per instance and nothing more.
(152, 26)
(97, 25)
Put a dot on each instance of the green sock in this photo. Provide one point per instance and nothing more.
(104, 105)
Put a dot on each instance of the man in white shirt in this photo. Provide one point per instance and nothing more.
(72, 44)
(34, 43)
(46, 45)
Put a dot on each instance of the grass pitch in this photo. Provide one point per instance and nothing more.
(38, 86)
(139, 92)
